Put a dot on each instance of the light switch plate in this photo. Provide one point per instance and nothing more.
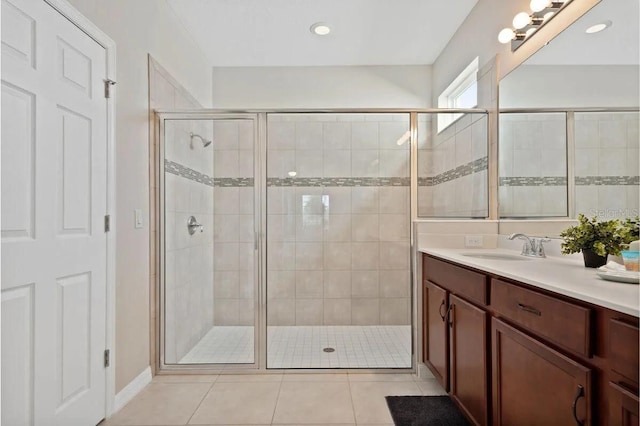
(473, 241)
(137, 218)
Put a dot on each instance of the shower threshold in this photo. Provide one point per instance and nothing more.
(373, 346)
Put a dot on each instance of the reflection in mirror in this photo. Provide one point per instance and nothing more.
(576, 101)
(533, 165)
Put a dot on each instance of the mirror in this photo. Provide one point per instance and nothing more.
(569, 122)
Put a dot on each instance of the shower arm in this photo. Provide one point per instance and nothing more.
(204, 141)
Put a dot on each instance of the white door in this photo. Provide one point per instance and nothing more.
(54, 151)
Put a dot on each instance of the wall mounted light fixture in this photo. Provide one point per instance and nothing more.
(526, 24)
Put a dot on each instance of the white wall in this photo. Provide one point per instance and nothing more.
(478, 36)
(322, 87)
(565, 86)
(139, 27)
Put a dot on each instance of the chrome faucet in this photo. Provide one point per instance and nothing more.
(532, 247)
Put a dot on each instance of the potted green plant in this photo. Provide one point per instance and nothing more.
(633, 228)
(595, 239)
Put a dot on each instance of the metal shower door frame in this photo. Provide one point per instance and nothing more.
(160, 117)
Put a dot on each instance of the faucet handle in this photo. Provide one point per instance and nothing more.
(528, 245)
(539, 247)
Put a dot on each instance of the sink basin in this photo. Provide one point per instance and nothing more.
(496, 256)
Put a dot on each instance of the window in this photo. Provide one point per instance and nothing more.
(461, 93)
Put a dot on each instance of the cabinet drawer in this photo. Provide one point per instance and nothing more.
(623, 349)
(457, 280)
(561, 322)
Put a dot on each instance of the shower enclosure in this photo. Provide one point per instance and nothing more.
(208, 250)
(285, 238)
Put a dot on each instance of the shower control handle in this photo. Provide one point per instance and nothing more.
(193, 225)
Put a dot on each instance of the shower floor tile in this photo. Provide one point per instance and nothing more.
(223, 345)
(303, 346)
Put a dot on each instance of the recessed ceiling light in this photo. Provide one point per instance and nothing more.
(320, 28)
(598, 27)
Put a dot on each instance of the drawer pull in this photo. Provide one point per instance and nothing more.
(529, 309)
(579, 394)
(440, 310)
(448, 314)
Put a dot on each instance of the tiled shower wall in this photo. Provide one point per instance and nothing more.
(533, 165)
(607, 182)
(338, 219)
(189, 305)
(233, 222)
(452, 167)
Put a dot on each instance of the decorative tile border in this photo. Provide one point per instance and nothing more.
(474, 166)
(562, 181)
(608, 180)
(233, 182)
(185, 172)
(339, 181)
(533, 181)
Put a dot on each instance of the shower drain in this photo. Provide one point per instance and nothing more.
(328, 350)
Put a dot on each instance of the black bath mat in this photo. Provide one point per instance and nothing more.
(425, 411)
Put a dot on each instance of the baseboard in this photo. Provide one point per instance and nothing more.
(132, 389)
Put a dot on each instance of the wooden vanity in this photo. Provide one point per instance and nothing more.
(509, 353)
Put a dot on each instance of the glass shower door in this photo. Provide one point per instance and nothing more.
(338, 258)
(208, 251)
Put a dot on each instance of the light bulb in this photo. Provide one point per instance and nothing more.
(521, 20)
(506, 35)
(548, 16)
(538, 5)
(529, 32)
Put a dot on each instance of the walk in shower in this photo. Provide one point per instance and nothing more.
(338, 276)
(285, 238)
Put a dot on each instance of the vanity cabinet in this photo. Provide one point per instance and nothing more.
(436, 335)
(534, 384)
(509, 353)
(623, 387)
(455, 333)
(623, 406)
(468, 354)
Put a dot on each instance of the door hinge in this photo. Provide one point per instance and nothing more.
(107, 87)
(107, 353)
(107, 223)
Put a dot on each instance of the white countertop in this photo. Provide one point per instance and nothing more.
(566, 276)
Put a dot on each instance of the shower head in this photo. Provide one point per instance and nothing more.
(205, 142)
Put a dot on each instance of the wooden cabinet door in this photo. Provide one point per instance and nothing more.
(535, 385)
(623, 406)
(469, 361)
(436, 338)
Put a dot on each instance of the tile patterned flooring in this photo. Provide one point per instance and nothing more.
(302, 346)
(223, 345)
(287, 398)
